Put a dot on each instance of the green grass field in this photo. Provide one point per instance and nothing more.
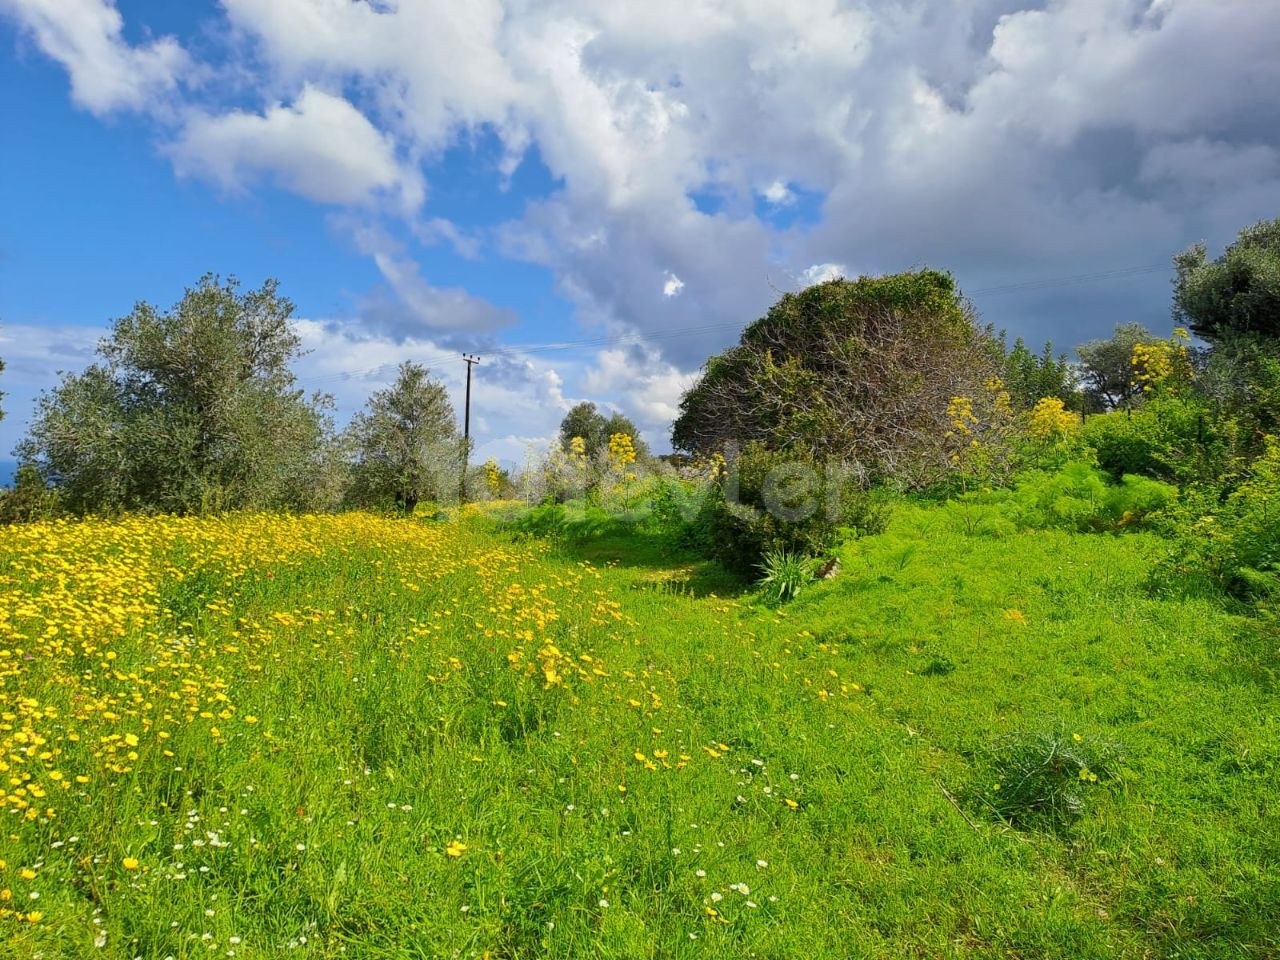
(359, 737)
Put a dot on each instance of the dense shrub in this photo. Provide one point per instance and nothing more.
(575, 520)
(1169, 438)
(1077, 497)
(1233, 543)
(29, 499)
(857, 370)
(768, 501)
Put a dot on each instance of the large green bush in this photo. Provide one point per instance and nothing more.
(1233, 543)
(1178, 439)
(858, 370)
(771, 501)
(1078, 497)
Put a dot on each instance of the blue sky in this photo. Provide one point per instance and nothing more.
(426, 177)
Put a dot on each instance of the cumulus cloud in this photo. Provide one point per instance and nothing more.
(778, 193)
(822, 272)
(1002, 139)
(419, 304)
(32, 355)
(320, 146)
(640, 383)
(87, 38)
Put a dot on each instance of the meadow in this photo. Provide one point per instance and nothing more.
(322, 736)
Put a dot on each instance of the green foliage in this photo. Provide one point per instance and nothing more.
(1106, 367)
(1030, 377)
(585, 421)
(1042, 778)
(1240, 382)
(1233, 544)
(190, 410)
(406, 444)
(1171, 438)
(1239, 292)
(858, 370)
(574, 522)
(29, 499)
(1078, 497)
(770, 502)
(675, 513)
(785, 574)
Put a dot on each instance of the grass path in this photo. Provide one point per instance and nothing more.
(356, 737)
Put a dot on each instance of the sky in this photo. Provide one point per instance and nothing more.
(595, 195)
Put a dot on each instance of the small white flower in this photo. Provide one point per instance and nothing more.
(699, 873)
(603, 902)
(761, 864)
(717, 897)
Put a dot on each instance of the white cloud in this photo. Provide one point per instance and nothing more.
(419, 303)
(639, 382)
(822, 272)
(106, 73)
(516, 399)
(320, 147)
(778, 194)
(32, 355)
(1003, 139)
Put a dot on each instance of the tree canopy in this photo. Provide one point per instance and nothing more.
(1236, 294)
(189, 409)
(585, 421)
(1030, 377)
(856, 370)
(406, 442)
(1106, 367)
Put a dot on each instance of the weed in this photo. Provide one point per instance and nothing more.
(1042, 778)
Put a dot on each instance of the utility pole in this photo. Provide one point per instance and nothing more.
(470, 360)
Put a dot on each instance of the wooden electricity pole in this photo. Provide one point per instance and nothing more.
(470, 360)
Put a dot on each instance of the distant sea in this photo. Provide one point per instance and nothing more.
(7, 469)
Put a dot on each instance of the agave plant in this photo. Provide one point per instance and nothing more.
(786, 574)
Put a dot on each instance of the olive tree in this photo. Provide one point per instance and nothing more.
(406, 443)
(1238, 294)
(190, 409)
(1106, 367)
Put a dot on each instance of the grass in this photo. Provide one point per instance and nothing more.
(380, 738)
